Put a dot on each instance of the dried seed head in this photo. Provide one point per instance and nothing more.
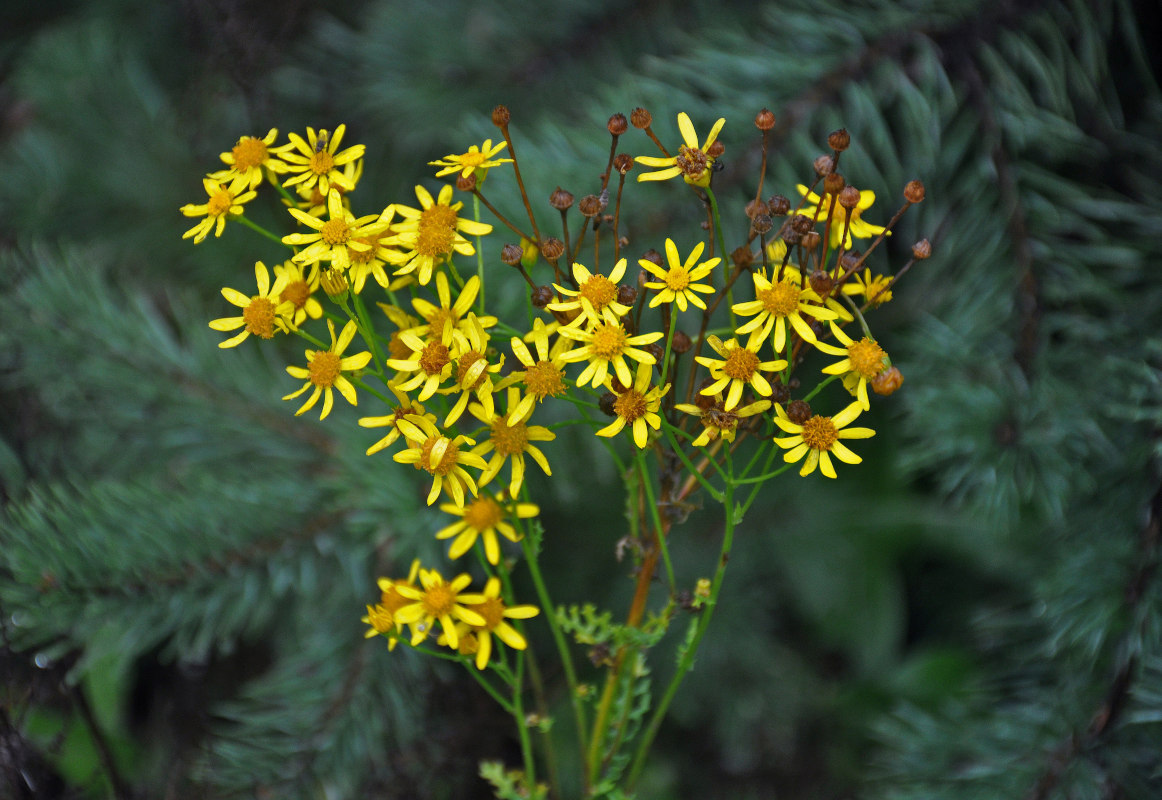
(780, 206)
(590, 205)
(761, 224)
(704, 401)
(500, 116)
(810, 240)
(716, 149)
(764, 120)
(542, 296)
(680, 343)
(655, 349)
(834, 183)
(560, 199)
(801, 223)
(755, 207)
(824, 165)
(821, 282)
(552, 248)
(914, 192)
(466, 183)
(780, 392)
(605, 403)
(617, 124)
(921, 249)
(626, 294)
(790, 235)
(849, 259)
(798, 411)
(654, 257)
(742, 256)
(640, 118)
(839, 140)
(511, 254)
(849, 197)
(887, 381)
(685, 600)
(623, 163)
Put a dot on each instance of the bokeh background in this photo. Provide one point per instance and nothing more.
(973, 613)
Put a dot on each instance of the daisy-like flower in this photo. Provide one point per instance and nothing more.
(403, 321)
(246, 161)
(298, 292)
(336, 239)
(692, 161)
(477, 160)
(381, 616)
(775, 305)
(543, 376)
(440, 456)
(739, 367)
(717, 421)
(437, 316)
(495, 612)
(678, 282)
(436, 599)
(314, 201)
(325, 369)
(483, 518)
(433, 232)
(594, 294)
(863, 361)
(637, 407)
(379, 252)
(858, 228)
(318, 160)
(222, 203)
(509, 440)
(876, 288)
(607, 345)
(262, 314)
(818, 439)
(473, 377)
(431, 359)
(406, 406)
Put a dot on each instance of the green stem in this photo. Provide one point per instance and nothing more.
(260, 230)
(518, 715)
(722, 251)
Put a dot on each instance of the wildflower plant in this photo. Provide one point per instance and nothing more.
(698, 373)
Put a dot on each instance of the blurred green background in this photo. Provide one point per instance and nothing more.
(973, 613)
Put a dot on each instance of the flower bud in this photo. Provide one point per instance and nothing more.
(824, 165)
(849, 259)
(849, 197)
(334, 283)
(500, 116)
(542, 296)
(623, 163)
(617, 124)
(914, 192)
(552, 248)
(511, 254)
(834, 183)
(780, 206)
(921, 249)
(780, 392)
(560, 199)
(590, 205)
(764, 120)
(839, 140)
(798, 411)
(640, 118)
(887, 381)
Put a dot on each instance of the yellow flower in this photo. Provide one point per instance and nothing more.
(874, 288)
(595, 293)
(222, 203)
(740, 366)
(438, 600)
(510, 439)
(477, 159)
(341, 235)
(775, 305)
(863, 360)
(440, 456)
(406, 406)
(717, 421)
(483, 518)
(432, 233)
(678, 282)
(692, 161)
(544, 376)
(378, 253)
(432, 361)
(262, 314)
(447, 312)
(246, 161)
(473, 370)
(318, 161)
(858, 228)
(325, 370)
(818, 439)
(495, 612)
(637, 407)
(608, 344)
(298, 292)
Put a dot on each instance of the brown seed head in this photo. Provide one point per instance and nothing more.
(810, 240)
(824, 165)
(590, 205)
(914, 192)
(849, 259)
(742, 256)
(761, 224)
(801, 223)
(834, 183)
(921, 249)
(640, 118)
(821, 282)
(798, 411)
(780, 206)
(849, 197)
(764, 120)
(780, 392)
(605, 403)
(887, 381)
(839, 140)
(626, 294)
(617, 124)
(754, 207)
(511, 254)
(716, 149)
(552, 248)
(542, 296)
(560, 199)
(623, 163)
(466, 183)
(655, 349)
(654, 257)
(681, 342)
(500, 116)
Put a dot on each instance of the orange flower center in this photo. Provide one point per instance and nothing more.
(439, 318)
(678, 279)
(492, 609)
(322, 162)
(220, 202)
(543, 379)
(434, 358)
(336, 231)
(483, 513)
(296, 292)
(819, 433)
(364, 256)
(741, 364)
(439, 601)
(509, 440)
(471, 159)
(867, 357)
(249, 153)
(630, 406)
(600, 291)
(324, 368)
(781, 300)
(447, 463)
(691, 161)
(392, 600)
(436, 233)
(464, 364)
(259, 317)
(398, 348)
(608, 340)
